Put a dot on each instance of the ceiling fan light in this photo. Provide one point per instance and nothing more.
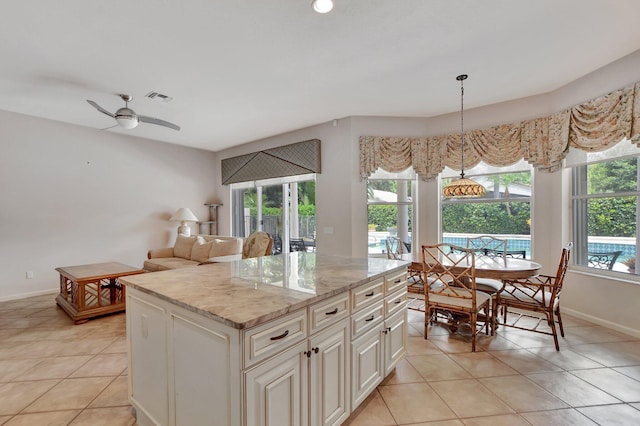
(127, 121)
(126, 118)
(322, 6)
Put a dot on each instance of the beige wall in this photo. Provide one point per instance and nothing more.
(71, 195)
(341, 196)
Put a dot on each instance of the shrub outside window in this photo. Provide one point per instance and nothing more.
(503, 212)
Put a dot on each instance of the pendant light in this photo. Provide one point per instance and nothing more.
(463, 187)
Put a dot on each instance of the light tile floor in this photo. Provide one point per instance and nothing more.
(514, 378)
(55, 373)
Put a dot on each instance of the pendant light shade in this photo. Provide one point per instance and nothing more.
(463, 187)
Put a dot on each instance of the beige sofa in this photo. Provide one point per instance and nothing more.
(194, 250)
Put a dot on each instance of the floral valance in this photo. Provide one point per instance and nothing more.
(594, 125)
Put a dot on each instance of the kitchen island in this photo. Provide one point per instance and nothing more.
(293, 339)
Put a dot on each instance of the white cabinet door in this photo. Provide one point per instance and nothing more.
(395, 340)
(205, 365)
(329, 375)
(276, 391)
(146, 332)
(367, 365)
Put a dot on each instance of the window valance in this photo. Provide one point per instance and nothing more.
(594, 125)
(288, 160)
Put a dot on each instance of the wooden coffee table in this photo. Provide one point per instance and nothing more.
(88, 291)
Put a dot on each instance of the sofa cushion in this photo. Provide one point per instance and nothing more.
(183, 246)
(166, 263)
(223, 247)
(200, 250)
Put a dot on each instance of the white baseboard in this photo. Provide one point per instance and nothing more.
(31, 294)
(602, 322)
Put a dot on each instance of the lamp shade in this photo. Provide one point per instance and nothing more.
(184, 215)
(464, 187)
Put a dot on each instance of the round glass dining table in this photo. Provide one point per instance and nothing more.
(498, 268)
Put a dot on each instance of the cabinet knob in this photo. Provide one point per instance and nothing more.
(335, 311)
(370, 318)
(371, 293)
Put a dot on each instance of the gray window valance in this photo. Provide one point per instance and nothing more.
(288, 160)
(544, 142)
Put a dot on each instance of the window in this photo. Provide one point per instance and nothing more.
(605, 191)
(390, 209)
(260, 206)
(504, 211)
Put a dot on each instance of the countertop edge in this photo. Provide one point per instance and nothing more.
(273, 314)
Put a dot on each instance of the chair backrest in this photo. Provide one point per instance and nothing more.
(604, 260)
(562, 271)
(297, 244)
(488, 246)
(451, 271)
(395, 247)
(277, 244)
(257, 244)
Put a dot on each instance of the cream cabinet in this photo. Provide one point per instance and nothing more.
(329, 383)
(309, 383)
(309, 367)
(184, 369)
(379, 333)
(276, 390)
(148, 360)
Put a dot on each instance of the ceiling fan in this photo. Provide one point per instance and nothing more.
(128, 119)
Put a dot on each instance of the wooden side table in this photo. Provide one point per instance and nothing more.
(88, 291)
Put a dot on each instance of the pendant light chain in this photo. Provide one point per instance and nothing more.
(463, 187)
(461, 78)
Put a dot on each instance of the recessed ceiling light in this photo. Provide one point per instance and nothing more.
(322, 6)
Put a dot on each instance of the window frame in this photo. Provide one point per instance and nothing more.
(412, 182)
(484, 170)
(579, 214)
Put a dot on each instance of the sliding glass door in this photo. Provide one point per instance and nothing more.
(284, 208)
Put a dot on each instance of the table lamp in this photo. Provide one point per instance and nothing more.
(184, 215)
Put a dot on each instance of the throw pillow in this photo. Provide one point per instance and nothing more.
(223, 247)
(183, 245)
(201, 249)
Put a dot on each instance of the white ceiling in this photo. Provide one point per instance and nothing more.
(241, 70)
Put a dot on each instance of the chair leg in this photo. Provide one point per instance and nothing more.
(427, 317)
(552, 323)
(560, 321)
(474, 316)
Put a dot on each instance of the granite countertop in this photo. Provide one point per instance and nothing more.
(249, 292)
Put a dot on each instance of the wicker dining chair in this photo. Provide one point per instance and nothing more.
(486, 245)
(257, 244)
(454, 288)
(539, 294)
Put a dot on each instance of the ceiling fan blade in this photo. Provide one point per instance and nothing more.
(151, 120)
(99, 108)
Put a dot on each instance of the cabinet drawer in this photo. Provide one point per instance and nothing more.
(366, 318)
(393, 282)
(328, 312)
(367, 294)
(274, 336)
(395, 302)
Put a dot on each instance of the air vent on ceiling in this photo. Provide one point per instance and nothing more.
(158, 96)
